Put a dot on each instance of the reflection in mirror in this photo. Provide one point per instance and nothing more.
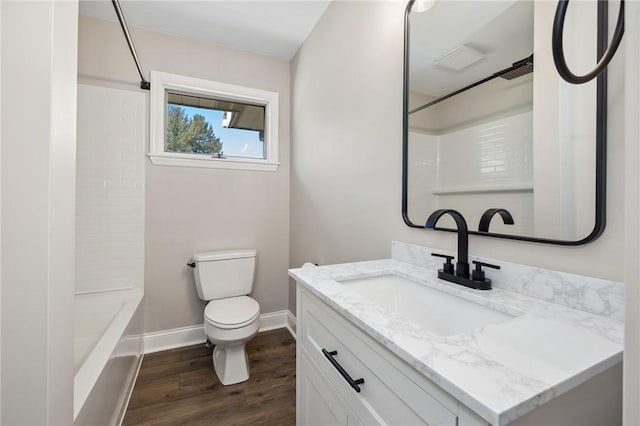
(486, 131)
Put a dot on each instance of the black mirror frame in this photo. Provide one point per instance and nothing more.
(601, 141)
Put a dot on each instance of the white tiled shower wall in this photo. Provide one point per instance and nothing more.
(489, 155)
(470, 170)
(110, 204)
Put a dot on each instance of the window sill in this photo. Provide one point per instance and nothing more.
(213, 163)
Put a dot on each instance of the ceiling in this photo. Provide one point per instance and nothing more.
(501, 30)
(271, 28)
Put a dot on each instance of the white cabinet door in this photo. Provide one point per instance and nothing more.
(388, 395)
(318, 404)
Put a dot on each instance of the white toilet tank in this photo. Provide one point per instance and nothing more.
(220, 274)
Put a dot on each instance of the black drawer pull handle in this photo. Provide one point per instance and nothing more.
(353, 383)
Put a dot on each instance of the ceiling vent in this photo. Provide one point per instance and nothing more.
(459, 58)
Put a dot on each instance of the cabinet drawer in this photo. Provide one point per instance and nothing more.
(317, 403)
(387, 395)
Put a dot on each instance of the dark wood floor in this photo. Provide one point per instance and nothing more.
(179, 387)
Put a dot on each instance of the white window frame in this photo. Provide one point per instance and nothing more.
(161, 82)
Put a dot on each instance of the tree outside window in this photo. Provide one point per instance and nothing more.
(190, 134)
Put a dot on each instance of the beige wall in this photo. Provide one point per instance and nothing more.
(191, 210)
(346, 129)
(632, 220)
(346, 152)
(39, 46)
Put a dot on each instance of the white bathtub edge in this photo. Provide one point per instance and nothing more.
(90, 371)
(132, 384)
(186, 336)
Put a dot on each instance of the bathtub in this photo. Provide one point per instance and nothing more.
(108, 348)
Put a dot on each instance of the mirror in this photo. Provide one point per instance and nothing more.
(489, 124)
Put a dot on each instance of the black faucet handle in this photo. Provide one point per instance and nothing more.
(447, 266)
(446, 256)
(478, 273)
(479, 265)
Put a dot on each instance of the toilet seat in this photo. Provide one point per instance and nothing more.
(232, 312)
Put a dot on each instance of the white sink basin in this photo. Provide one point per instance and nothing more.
(437, 312)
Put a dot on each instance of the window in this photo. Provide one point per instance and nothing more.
(200, 123)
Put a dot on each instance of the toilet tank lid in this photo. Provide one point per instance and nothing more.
(223, 255)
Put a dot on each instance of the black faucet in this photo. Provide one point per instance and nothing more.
(488, 215)
(462, 265)
(461, 275)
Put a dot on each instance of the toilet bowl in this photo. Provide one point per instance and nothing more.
(225, 279)
(229, 324)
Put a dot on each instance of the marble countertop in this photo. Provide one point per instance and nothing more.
(500, 371)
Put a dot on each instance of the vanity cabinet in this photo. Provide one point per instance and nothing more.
(376, 359)
(395, 393)
(392, 392)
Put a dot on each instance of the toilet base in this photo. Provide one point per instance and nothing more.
(231, 364)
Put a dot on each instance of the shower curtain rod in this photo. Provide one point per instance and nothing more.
(144, 84)
(523, 63)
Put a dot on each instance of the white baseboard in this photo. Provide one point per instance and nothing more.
(273, 320)
(175, 338)
(179, 337)
(291, 324)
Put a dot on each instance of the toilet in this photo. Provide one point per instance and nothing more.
(224, 279)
